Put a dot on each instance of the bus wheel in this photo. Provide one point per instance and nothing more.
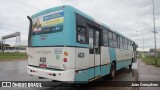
(112, 71)
(130, 67)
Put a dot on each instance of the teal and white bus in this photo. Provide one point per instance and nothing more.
(65, 44)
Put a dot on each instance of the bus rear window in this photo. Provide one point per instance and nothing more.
(48, 23)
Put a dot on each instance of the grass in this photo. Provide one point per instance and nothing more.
(10, 56)
(150, 60)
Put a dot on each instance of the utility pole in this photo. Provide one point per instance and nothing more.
(154, 34)
(143, 55)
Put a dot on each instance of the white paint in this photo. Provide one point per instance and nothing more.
(97, 59)
(73, 61)
(105, 57)
(123, 54)
(82, 63)
(34, 55)
(91, 60)
(67, 75)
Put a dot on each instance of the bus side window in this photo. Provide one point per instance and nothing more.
(97, 42)
(91, 50)
(114, 40)
(118, 41)
(121, 42)
(105, 37)
(125, 44)
(129, 47)
(134, 46)
(82, 33)
(110, 39)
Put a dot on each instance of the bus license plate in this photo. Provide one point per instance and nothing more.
(42, 65)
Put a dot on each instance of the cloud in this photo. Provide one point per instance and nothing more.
(125, 16)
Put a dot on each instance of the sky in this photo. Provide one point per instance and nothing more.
(124, 16)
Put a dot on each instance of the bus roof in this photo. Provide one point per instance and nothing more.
(79, 12)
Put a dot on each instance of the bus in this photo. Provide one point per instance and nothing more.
(65, 44)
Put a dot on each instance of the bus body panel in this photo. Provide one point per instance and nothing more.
(80, 65)
(97, 60)
(122, 64)
(112, 54)
(105, 61)
(82, 76)
(53, 57)
(123, 54)
(91, 60)
(82, 59)
(124, 58)
(91, 73)
(97, 71)
(105, 69)
(105, 56)
(67, 75)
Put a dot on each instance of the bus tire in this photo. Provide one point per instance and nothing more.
(112, 70)
(130, 67)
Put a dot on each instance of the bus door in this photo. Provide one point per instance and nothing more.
(94, 52)
(135, 52)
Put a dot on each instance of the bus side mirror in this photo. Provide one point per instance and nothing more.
(30, 29)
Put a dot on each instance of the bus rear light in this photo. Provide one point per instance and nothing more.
(54, 74)
(32, 71)
(65, 59)
(66, 53)
(50, 74)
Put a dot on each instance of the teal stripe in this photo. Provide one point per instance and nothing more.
(85, 75)
(112, 54)
(105, 69)
(124, 63)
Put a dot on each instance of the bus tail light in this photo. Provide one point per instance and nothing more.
(50, 74)
(32, 71)
(65, 59)
(66, 53)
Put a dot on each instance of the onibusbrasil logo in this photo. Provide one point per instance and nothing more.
(21, 84)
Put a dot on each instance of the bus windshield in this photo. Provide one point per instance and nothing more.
(48, 23)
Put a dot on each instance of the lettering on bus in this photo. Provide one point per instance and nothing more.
(43, 52)
(56, 15)
(48, 23)
(81, 54)
(42, 60)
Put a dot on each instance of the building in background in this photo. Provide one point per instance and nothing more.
(9, 48)
(152, 51)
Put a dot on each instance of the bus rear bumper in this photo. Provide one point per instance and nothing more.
(66, 76)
